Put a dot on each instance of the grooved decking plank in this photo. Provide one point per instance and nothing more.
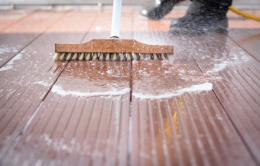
(84, 118)
(32, 74)
(170, 127)
(15, 38)
(238, 85)
(188, 129)
(248, 39)
(186, 132)
(9, 18)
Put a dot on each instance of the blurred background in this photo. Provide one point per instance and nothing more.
(246, 4)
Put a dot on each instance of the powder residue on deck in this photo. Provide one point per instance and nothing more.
(10, 64)
(194, 88)
(44, 83)
(59, 90)
(231, 60)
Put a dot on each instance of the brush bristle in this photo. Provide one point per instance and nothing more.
(107, 57)
(56, 56)
(88, 57)
(155, 57)
(95, 56)
(81, 56)
(114, 57)
(128, 57)
(101, 57)
(122, 57)
(74, 56)
(135, 56)
(68, 56)
(62, 56)
(111, 56)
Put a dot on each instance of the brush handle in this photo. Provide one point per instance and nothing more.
(116, 17)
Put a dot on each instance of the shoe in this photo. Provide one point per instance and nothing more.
(201, 18)
(157, 9)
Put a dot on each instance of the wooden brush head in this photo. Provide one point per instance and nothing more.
(114, 46)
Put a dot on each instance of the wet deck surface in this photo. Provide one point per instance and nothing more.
(200, 108)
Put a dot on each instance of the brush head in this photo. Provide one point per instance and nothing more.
(111, 49)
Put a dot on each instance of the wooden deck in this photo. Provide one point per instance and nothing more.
(201, 108)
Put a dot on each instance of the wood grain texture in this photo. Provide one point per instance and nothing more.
(9, 18)
(84, 117)
(16, 37)
(191, 129)
(83, 120)
(237, 86)
(176, 126)
(248, 40)
(29, 76)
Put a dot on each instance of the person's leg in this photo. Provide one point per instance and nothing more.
(203, 16)
(157, 9)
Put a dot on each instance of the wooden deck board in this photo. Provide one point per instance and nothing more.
(32, 74)
(68, 127)
(249, 40)
(9, 18)
(102, 126)
(207, 136)
(192, 128)
(15, 38)
(65, 113)
(231, 64)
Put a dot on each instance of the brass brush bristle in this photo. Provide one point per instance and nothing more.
(112, 49)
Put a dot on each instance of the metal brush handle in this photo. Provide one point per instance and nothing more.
(116, 17)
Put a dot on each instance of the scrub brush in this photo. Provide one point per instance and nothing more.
(113, 48)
